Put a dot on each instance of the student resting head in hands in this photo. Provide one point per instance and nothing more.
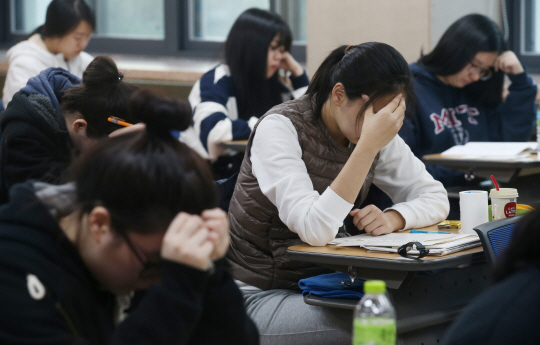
(459, 94)
(228, 100)
(140, 214)
(60, 42)
(55, 117)
(310, 163)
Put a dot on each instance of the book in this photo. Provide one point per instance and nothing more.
(438, 244)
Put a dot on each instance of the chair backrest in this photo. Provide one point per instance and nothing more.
(495, 237)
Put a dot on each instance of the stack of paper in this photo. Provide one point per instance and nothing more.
(438, 244)
(492, 150)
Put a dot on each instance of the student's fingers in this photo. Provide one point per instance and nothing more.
(381, 230)
(365, 222)
(392, 105)
(373, 224)
(354, 212)
(364, 213)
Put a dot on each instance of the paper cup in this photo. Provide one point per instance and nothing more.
(503, 203)
(473, 206)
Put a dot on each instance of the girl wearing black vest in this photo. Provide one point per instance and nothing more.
(140, 215)
(309, 163)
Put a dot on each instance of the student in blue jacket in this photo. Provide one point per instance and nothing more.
(229, 99)
(459, 94)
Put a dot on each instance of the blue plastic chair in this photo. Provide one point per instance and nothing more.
(495, 237)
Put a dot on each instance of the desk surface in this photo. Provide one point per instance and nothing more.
(355, 256)
(238, 145)
(530, 161)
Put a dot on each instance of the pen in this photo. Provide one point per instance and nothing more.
(428, 232)
(118, 121)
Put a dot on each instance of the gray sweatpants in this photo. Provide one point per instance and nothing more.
(283, 318)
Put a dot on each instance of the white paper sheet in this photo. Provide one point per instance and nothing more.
(397, 239)
(490, 149)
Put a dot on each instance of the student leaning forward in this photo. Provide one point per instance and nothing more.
(308, 164)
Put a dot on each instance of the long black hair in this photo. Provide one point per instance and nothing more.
(101, 94)
(459, 45)
(374, 69)
(246, 54)
(522, 252)
(63, 16)
(144, 179)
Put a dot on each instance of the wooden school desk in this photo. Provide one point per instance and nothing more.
(238, 145)
(427, 294)
(522, 173)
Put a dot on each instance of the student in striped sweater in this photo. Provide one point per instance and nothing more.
(259, 73)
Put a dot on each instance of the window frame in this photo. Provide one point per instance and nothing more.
(516, 39)
(175, 43)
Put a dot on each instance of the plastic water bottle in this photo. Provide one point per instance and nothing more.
(374, 317)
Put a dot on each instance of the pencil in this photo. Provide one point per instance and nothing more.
(119, 121)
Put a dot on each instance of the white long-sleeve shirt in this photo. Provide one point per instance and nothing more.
(27, 58)
(277, 164)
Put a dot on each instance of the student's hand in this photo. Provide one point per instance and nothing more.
(380, 128)
(508, 63)
(217, 222)
(290, 64)
(376, 222)
(187, 241)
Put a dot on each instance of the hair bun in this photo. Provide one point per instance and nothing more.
(102, 71)
(160, 114)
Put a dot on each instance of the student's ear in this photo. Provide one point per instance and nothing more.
(338, 94)
(79, 126)
(99, 223)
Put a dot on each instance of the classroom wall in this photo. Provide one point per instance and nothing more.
(445, 12)
(404, 24)
(410, 26)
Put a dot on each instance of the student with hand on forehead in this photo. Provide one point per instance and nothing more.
(259, 72)
(459, 94)
(309, 163)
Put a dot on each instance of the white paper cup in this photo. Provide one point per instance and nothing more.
(473, 205)
(503, 203)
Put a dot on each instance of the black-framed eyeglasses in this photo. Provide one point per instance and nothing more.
(485, 74)
(150, 268)
(406, 248)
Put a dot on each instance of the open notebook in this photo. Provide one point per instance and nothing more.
(438, 244)
(494, 150)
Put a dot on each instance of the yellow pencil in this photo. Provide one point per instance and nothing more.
(119, 121)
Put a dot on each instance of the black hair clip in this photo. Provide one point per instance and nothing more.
(404, 250)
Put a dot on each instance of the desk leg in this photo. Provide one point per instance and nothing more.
(428, 303)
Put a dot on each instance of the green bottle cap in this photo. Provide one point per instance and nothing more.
(374, 286)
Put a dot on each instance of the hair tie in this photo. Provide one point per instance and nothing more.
(120, 77)
(349, 47)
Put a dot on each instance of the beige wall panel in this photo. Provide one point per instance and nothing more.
(404, 24)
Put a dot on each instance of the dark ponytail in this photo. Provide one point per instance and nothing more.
(145, 178)
(374, 69)
(101, 94)
(63, 16)
(160, 114)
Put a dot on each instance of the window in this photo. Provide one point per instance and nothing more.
(524, 18)
(157, 27)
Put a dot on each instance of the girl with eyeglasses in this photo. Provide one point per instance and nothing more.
(59, 42)
(140, 215)
(459, 94)
(259, 72)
